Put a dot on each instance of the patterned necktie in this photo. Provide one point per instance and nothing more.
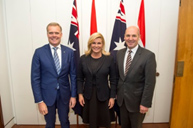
(56, 60)
(128, 62)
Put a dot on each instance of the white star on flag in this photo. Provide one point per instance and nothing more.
(70, 45)
(119, 45)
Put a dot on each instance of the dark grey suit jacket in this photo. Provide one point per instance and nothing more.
(137, 87)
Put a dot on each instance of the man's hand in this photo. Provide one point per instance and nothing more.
(42, 108)
(143, 109)
(81, 100)
(72, 102)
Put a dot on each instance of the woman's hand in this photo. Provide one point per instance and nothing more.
(81, 100)
(111, 102)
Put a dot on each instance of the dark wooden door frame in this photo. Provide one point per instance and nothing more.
(1, 116)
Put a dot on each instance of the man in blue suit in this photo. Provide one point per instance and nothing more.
(53, 78)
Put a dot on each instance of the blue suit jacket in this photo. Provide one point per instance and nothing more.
(44, 77)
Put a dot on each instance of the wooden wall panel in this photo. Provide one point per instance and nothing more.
(182, 112)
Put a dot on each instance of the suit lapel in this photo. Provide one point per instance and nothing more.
(63, 57)
(88, 62)
(122, 56)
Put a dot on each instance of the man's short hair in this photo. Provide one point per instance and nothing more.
(54, 24)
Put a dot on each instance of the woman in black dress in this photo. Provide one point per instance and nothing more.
(96, 81)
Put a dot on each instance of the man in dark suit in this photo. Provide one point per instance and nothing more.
(53, 78)
(137, 70)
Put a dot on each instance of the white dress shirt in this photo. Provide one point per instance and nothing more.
(133, 51)
(58, 52)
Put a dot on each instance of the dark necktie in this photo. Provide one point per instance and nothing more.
(128, 62)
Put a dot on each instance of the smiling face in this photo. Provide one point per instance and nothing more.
(131, 37)
(97, 46)
(54, 34)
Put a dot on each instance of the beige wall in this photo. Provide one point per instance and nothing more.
(5, 88)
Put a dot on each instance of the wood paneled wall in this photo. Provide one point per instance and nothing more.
(182, 112)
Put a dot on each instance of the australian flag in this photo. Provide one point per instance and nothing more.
(74, 33)
(74, 44)
(117, 40)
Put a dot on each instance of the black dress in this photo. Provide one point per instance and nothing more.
(96, 113)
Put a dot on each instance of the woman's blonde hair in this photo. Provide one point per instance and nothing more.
(91, 40)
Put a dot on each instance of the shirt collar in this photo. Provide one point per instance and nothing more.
(133, 49)
(51, 46)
